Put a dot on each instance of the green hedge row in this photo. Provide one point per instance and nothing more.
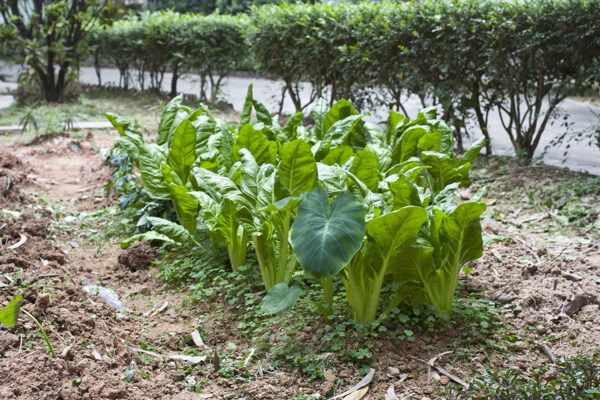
(470, 58)
(153, 43)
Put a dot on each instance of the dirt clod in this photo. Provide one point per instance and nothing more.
(138, 257)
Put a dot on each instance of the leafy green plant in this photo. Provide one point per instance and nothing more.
(9, 316)
(575, 378)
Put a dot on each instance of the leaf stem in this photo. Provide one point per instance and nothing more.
(42, 330)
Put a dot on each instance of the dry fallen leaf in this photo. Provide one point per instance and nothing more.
(198, 339)
(391, 394)
(357, 395)
(363, 382)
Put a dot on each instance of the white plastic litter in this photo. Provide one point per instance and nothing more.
(108, 295)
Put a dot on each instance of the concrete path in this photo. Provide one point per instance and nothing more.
(580, 157)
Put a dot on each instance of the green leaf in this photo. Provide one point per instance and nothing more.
(339, 111)
(182, 153)
(186, 207)
(339, 155)
(393, 231)
(406, 146)
(247, 108)
(262, 114)
(298, 167)
(146, 236)
(149, 164)
(166, 119)
(473, 151)
(365, 168)
(262, 149)
(318, 114)
(291, 126)
(281, 298)
(172, 230)
(326, 236)
(285, 204)
(9, 315)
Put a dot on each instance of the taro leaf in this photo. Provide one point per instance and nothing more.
(298, 168)
(172, 230)
(326, 236)
(146, 236)
(364, 167)
(182, 152)
(9, 315)
(281, 298)
(166, 119)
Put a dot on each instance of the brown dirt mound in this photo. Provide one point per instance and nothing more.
(13, 172)
(138, 257)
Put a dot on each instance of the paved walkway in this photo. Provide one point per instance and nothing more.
(580, 157)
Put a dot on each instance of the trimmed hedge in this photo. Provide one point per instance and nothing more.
(152, 43)
(470, 58)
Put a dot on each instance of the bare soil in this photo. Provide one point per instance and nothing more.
(533, 280)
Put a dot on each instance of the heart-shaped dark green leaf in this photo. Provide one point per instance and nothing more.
(9, 315)
(280, 299)
(325, 236)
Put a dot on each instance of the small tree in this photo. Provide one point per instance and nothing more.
(48, 36)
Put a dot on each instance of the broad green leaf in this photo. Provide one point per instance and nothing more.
(332, 178)
(149, 164)
(182, 114)
(285, 204)
(182, 152)
(291, 126)
(392, 231)
(262, 149)
(9, 315)
(146, 236)
(393, 123)
(337, 135)
(325, 236)
(318, 114)
(404, 193)
(215, 185)
(247, 108)
(339, 111)
(257, 182)
(365, 168)
(166, 119)
(442, 170)
(262, 114)
(405, 146)
(460, 232)
(281, 298)
(186, 207)
(298, 167)
(473, 151)
(339, 155)
(172, 230)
